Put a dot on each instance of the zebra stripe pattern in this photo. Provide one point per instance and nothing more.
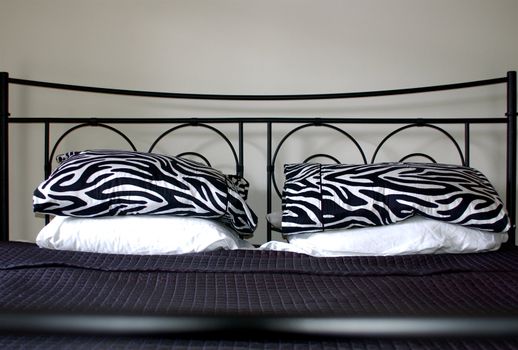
(110, 183)
(318, 197)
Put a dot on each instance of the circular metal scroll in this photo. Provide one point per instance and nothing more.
(279, 146)
(321, 155)
(419, 125)
(218, 132)
(66, 133)
(422, 155)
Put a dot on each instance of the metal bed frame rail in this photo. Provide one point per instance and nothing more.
(272, 150)
(256, 327)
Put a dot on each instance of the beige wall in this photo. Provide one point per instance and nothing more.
(250, 47)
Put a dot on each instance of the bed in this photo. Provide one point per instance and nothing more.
(237, 295)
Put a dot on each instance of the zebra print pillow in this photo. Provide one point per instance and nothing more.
(317, 197)
(241, 184)
(111, 183)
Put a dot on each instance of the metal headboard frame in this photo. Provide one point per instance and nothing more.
(273, 148)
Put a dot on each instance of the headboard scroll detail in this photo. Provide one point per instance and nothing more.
(334, 123)
(52, 154)
(195, 123)
(301, 127)
(421, 125)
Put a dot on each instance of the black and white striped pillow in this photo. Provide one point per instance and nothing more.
(240, 184)
(317, 197)
(111, 183)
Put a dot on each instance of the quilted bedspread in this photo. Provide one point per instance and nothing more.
(253, 282)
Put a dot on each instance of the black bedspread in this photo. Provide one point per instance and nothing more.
(254, 282)
(258, 283)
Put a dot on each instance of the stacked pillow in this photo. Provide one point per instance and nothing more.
(329, 197)
(143, 203)
(144, 186)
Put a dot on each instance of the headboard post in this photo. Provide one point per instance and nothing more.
(241, 159)
(4, 154)
(269, 175)
(511, 154)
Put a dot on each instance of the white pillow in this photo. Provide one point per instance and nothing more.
(138, 234)
(416, 235)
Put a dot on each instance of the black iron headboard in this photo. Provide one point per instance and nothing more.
(273, 148)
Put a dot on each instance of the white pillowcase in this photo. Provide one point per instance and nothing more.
(416, 235)
(138, 234)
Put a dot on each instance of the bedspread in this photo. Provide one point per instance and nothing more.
(257, 282)
(254, 282)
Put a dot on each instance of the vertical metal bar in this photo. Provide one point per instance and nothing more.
(511, 155)
(46, 148)
(4, 155)
(466, 144)
(46, 158)
(269, 174)
(240, 169)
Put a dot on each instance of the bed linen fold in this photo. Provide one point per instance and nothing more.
(17, 255)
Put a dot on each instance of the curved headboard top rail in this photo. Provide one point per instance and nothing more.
(510, 120)
(324, 96)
